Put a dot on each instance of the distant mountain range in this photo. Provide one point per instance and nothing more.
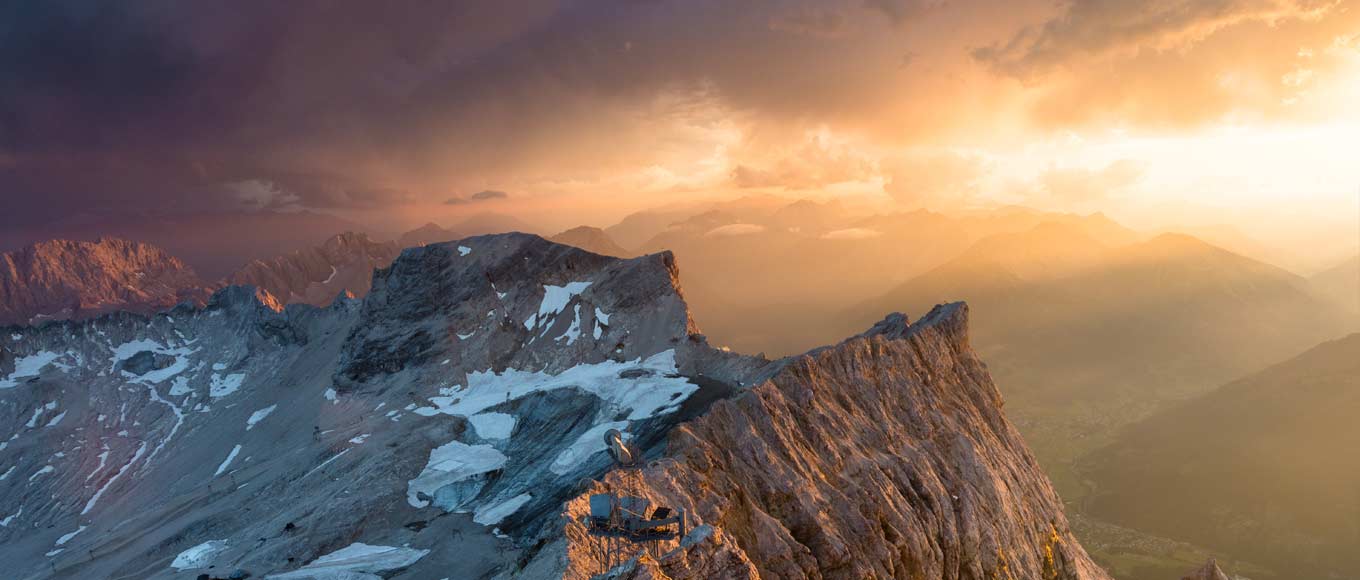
(1265, 466)
(1341, 284)
(62, 279)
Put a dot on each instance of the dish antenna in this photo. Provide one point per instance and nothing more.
(618, 448)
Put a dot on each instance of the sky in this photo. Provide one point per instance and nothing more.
(1161, 113)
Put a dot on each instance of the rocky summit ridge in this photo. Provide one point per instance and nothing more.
(449, 425)
(63, 279)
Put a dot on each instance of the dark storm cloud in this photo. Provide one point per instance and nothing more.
(348, 104)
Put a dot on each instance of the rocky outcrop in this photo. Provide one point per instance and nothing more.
(317, 275)
(591, 239)
(63, 279)
(444, 424)
(885, 456)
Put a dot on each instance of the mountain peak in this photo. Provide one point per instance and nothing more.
(61, 279)
(1209, 571)
(591, 239)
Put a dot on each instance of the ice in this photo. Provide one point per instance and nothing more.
(56, 420)
(89, 505)
(655, 389)
(68, 537)
(466, 336)
(330, 395)
(589, 443)
(493, 425)
(354, 562)
(227, 461)
(426, 411)
(492, 515)
(464, 250)
(199, 556)
(451, 463)
(223, 386)
(258, 416)
(45, 470)
(28, 366)
(58, 550)
(555, 299)
(10, 518)
(33, 421)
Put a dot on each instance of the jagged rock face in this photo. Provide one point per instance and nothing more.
(63, 279)
(591, 240)
(317, 275)
(438, 427)
(886, 456)
(466, 395)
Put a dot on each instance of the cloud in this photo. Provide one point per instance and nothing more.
(820, 160)
(258, 195)
(934, 178)
(1078, 186)
(732, 230)
(812, 21)
(1169, 63)
(851, 234)
(1100, 28)
(481, 196)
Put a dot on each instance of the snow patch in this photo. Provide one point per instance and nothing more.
(650, 387)
(555, 299)
(180, 386)
(28, 366)
(222, 386)
(89, 505)
(358, 560)
(452, 463)
(464, 250)
(68, 537)
(492, 515)
(574, 331)
(589, 443)
(601, 321)
(227, 461)
(493, 425)
(44, 471)
(360, 439)
(56, 420)
(258, 416)
(10, 518)
(199, 556)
